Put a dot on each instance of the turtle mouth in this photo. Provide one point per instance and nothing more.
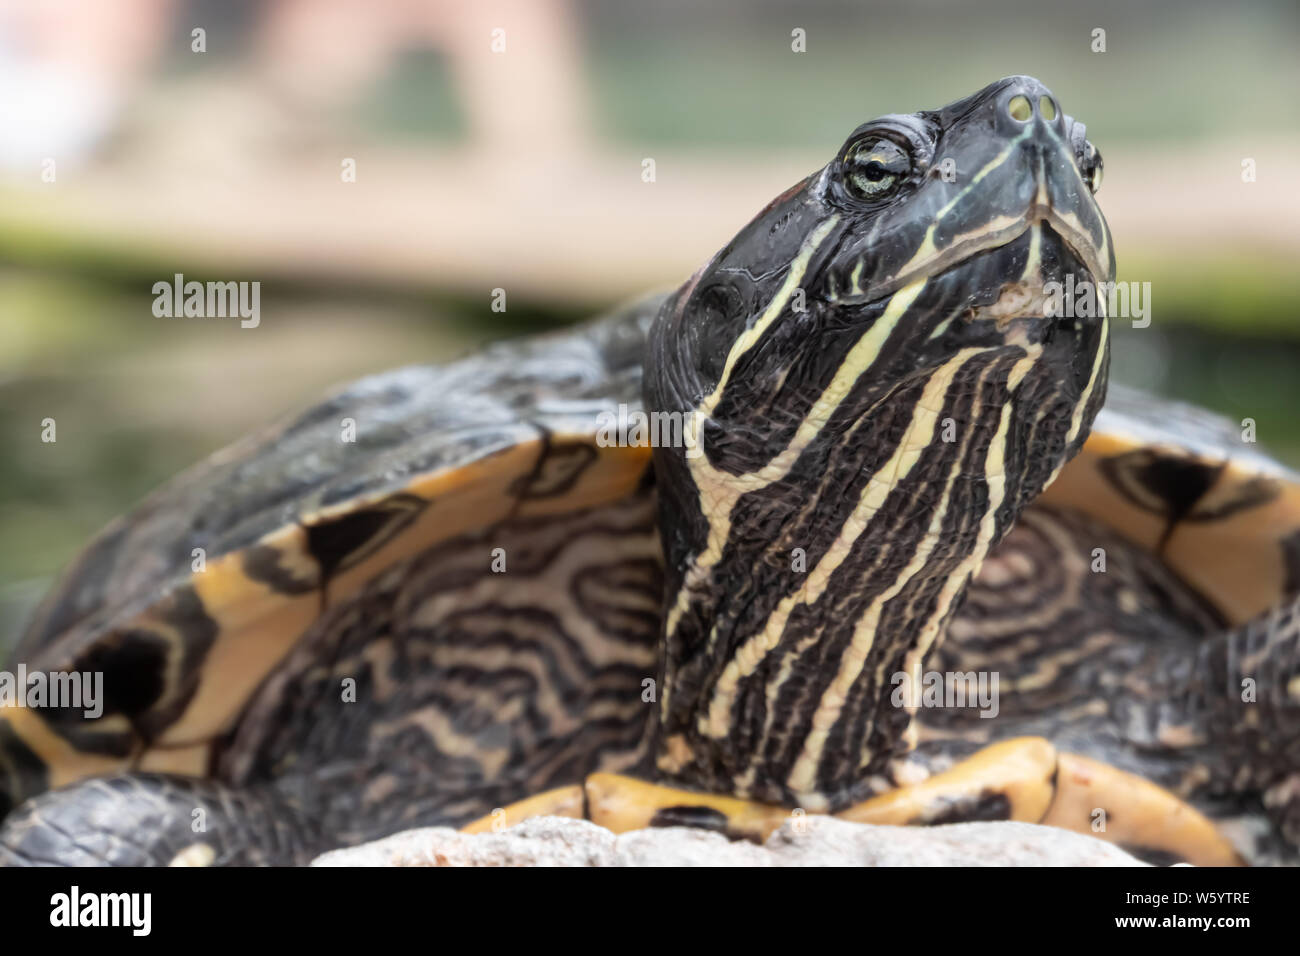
(1040, 261)
(1076, 229)
(1011, 277)
(1088, 259)
(1015, 291)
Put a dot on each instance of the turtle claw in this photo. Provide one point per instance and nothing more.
(1136, 814)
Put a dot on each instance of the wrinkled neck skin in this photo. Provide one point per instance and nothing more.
(822, 533)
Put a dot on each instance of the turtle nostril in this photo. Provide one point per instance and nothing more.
(1019, 108)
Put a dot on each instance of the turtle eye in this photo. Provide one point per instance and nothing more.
(1092, 166)
(874, 167)
(1085, 154)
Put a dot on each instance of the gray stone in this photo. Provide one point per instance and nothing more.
(811, 841)
(825, 841)
(542, 841)
(684, 846)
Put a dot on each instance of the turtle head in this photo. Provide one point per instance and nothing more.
(877, 377)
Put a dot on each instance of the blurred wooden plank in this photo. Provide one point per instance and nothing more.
(586, 229)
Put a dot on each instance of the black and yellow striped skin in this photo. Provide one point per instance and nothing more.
(895, 452)
(873, 384)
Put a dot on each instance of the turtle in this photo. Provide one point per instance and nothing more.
(850, 523)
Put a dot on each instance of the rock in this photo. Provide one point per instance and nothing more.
(542, 841)
(684, 846)
(814, 841)
(826, 841)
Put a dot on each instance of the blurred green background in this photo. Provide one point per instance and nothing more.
(482, 166)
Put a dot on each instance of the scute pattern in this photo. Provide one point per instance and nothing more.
(472, 688)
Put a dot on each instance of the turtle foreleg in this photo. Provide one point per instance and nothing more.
(620, 803)
(156, 820)
(1025, 779)
(1009, 780)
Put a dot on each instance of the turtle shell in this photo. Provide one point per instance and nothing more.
(190, 603)
(1187, 485)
